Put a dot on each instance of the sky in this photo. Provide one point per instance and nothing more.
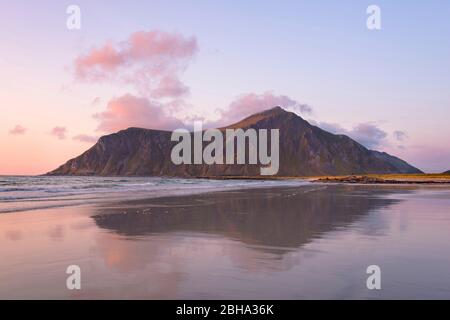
(164, 64)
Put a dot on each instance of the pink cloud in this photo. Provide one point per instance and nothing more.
(131, 111)
(18, 130)
(99, 62)
(252, 103)
(150, 61)
(59, 132)
(85, 138)
(170, 86)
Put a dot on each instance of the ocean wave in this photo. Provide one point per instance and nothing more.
(67, 189)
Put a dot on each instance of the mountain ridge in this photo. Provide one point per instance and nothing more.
(305, 150)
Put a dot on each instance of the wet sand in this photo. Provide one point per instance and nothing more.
(305, 242)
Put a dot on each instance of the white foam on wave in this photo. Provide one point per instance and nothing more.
(28, 193)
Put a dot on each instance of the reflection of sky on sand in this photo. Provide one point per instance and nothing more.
(294, 243)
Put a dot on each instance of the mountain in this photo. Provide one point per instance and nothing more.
(446, 172)
(305, 150)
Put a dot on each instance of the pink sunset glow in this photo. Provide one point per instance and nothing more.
(63, 89)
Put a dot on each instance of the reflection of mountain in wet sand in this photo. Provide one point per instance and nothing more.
(269, 218)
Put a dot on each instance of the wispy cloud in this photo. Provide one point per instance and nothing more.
(18, 130)
(59, 132)
(400, 135)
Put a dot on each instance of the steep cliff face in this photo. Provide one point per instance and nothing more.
(305, 150)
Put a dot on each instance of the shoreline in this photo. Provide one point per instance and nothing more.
(26, 203)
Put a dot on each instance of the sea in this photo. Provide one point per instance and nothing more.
(19, 193)
(166, 238)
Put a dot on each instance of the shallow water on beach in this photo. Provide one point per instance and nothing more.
(302, 242)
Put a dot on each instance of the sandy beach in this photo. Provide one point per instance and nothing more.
(311, 241)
